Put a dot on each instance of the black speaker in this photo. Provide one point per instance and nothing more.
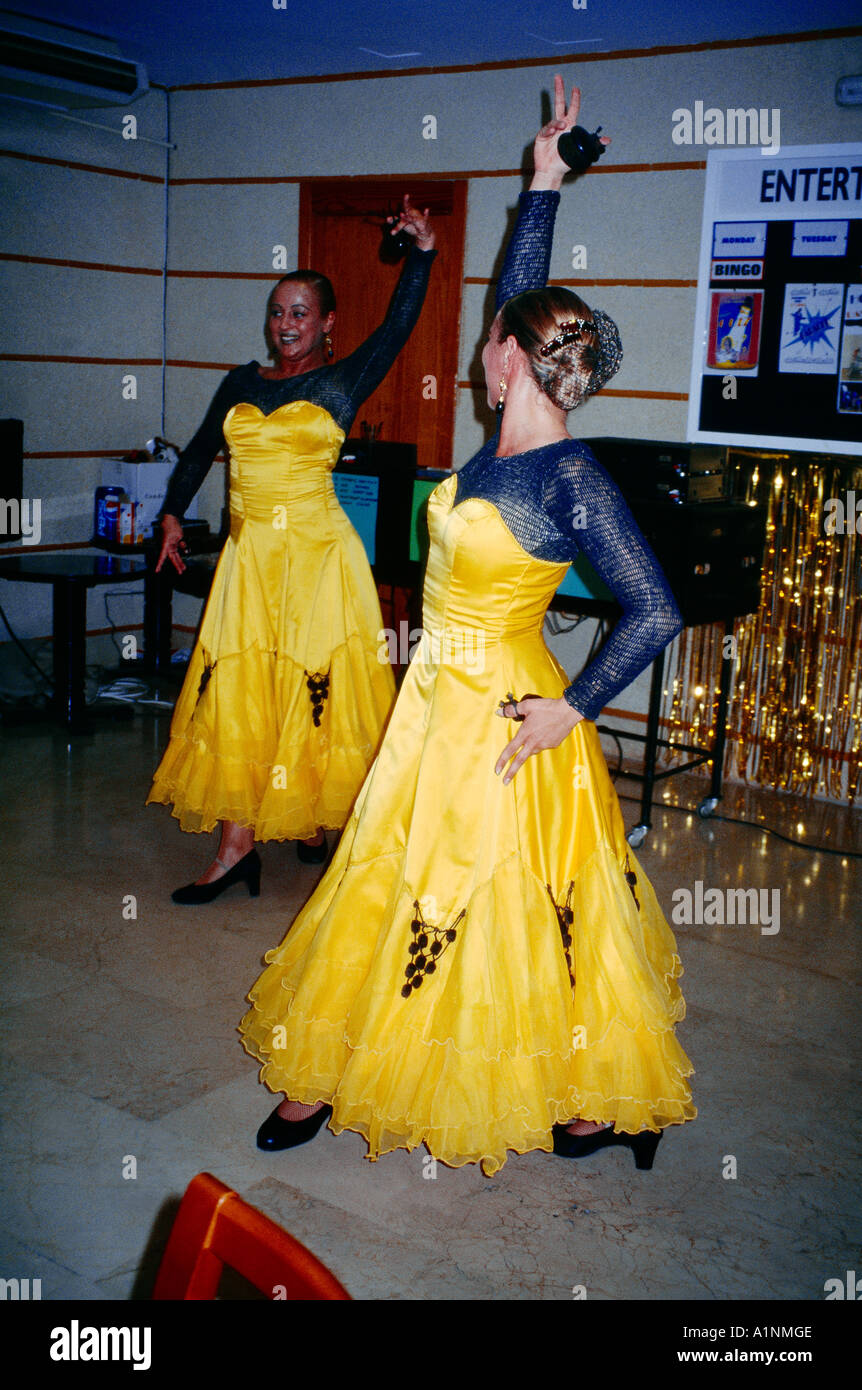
(712, 555)
(11, 478)
(665, 470)
(710, 549)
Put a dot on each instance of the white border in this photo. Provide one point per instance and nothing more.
(711, 214)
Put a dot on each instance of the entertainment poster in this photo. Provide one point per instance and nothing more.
(777, 359)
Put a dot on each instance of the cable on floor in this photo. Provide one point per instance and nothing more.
(753, 825)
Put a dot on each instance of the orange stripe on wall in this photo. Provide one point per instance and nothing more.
(637, 284)
(606, 391)
(87, 361)
(649, 167)
(270, 274)
(78, 265)
(86, 168)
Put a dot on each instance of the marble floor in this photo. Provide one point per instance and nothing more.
(122, 1074)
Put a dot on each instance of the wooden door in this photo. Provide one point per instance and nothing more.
(340, 233)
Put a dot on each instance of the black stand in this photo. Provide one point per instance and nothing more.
(652, 743)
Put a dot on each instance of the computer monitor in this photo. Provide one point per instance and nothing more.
(386, 498)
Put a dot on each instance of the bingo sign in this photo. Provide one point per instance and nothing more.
(777, 358)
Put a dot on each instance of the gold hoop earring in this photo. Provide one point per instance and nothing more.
(328, 341)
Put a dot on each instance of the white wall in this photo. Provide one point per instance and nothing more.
(639, 223)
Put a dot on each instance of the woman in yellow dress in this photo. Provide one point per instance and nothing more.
(484, 959)
(286, 696)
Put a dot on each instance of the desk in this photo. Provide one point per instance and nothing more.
(71, 573)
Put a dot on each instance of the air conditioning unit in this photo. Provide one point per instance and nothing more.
(51, 63)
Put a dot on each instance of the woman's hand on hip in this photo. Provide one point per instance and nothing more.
(414, 223)
(545, 724)
(172, 543)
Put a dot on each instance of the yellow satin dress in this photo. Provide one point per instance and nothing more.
(286, 696)
(480, 961)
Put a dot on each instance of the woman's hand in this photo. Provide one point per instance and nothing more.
(172, 543)
(549, 167)
(415, 224)
(545, 724)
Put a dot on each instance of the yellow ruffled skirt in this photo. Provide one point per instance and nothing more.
(481, 960)
(498, 898)
(286, 694)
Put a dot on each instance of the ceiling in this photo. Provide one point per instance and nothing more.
(183, 41)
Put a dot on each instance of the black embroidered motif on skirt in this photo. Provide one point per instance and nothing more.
(631, 880)
(424, 952)
(318, 689)
(566, 918)
(205, 680)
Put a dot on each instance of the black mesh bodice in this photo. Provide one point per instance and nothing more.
(340, 388)
(558, 502)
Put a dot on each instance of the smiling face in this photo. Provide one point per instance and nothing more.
(296, 328)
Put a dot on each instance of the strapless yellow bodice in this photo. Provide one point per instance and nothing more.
(283, 460)
(478, 577)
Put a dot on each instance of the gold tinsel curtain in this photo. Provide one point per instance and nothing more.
(795, 715)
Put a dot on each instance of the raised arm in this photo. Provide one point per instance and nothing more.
(363, 370)
(528, 255)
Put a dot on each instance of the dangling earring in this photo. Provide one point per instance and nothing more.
(501, 403)
(328, 341)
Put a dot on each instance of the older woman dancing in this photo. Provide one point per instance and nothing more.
(286, 696)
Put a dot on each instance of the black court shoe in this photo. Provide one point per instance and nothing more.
(276, 1133)
(312, 854)
(245, 870)
(642, 1145)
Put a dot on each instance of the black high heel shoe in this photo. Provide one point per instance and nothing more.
(276, 1133)
(312, 854)
(245, 870)
(642, 1145)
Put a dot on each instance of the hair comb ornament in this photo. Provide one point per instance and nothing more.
(609, 348)
(571, 331)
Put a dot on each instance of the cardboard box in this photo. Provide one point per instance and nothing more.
(145, 484)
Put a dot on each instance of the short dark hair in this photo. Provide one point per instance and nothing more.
(321, 285)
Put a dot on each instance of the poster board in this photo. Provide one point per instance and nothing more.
(777, 356)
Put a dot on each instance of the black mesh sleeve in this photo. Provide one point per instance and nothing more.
(528, 254)
(196, 459)
(339, 388)
(580, 497)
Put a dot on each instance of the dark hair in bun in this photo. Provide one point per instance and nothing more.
(572, 350)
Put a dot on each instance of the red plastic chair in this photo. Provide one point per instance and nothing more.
(214, 1227)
